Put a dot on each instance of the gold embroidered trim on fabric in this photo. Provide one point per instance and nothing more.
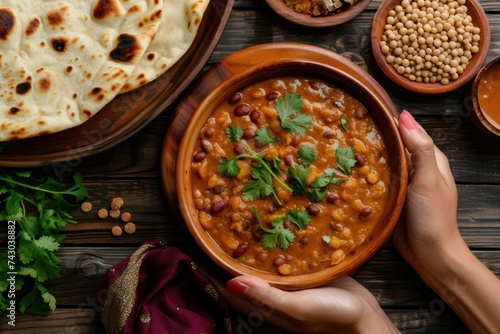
(121, 294)
(212, 292)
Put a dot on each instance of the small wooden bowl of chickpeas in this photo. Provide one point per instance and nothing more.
(430, 46)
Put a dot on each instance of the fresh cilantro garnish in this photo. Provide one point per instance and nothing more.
(326, 239)
(298, 174)
(328, 177)
(263, 174)
(229, 167)
(317, 194)
(301, 219)
(343, 123)
(40, 207)
(263, 137)
(345, 159)
(306, 155)
(260, 186)
(234, 133)
(276, 236)
(291, 105)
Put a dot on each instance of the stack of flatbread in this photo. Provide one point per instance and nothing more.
(62, 61)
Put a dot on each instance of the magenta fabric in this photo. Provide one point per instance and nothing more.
(172, 295)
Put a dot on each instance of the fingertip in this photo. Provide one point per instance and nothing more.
(407, 121)
(236, 287)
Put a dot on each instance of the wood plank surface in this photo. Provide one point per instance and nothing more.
(131, 170)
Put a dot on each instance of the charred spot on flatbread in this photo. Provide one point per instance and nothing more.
(7, 22)
(55, 18)
(33, 26)
(126, 49)
(59, 44)
(14, 110)
(23, 88)
(105, 8)
(44, 84)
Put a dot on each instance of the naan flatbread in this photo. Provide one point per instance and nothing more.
(178, 28)
(63, 61)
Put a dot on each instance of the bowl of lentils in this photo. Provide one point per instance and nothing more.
(430, 46)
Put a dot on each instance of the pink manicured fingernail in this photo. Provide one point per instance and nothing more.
(407, 120)
(236, 287)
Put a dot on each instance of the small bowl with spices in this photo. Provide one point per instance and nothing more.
(318, 13)
(430, 46)
(292, 170)
(485, 99)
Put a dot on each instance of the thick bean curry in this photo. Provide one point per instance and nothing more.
(290, 175)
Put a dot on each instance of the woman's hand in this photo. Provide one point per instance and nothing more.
(343, 306)
(430, 221)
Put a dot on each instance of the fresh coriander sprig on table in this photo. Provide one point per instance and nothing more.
(41, 208)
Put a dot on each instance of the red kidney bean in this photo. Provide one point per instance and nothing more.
(241, 249)
(329, 134)
(313, 209)
(365, 212)
(218, 206)
(209, 133)
(332, 198)
(254, 116)
(313, 266)
(359, 114)
(271, 96)
(304, 241)
(262, 257)
(249, 133)
(219, 189)
(360, 159)
(238, 149)
(257, 233)
(199, 156)
(235, 98)
(289, 159)
(313, 84)
(279, 260)
(242, 109)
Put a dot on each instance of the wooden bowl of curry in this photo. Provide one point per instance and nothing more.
(293, 171)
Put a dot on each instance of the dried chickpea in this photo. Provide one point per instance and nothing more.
(129, 228)
(102, 213)
(114, 213)
(86, 206)
(285, 269)
(126, 216)
(116, 203)
(337, 257)
(440, 29)
(117, 231)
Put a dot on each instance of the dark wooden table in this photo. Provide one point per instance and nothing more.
(131, 170)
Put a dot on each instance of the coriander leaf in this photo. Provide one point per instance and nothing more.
(306, 155)
(47, 297)
(326, 239)
(345, 159)
(263, 137)
(276, 164)
(301, 219)
(261, 187)
(25, 271)
(321, 181)
(343, 123)
(228, 167)
(47, 242)
(291, 105)
(330, 174)
(33, 303)
(277, 236)
(317, 194)
(234, 133)
(298, 174)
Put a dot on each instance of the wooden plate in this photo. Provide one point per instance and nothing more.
(127, 113)
(309, 21)
(479, 19)
(234, 64)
